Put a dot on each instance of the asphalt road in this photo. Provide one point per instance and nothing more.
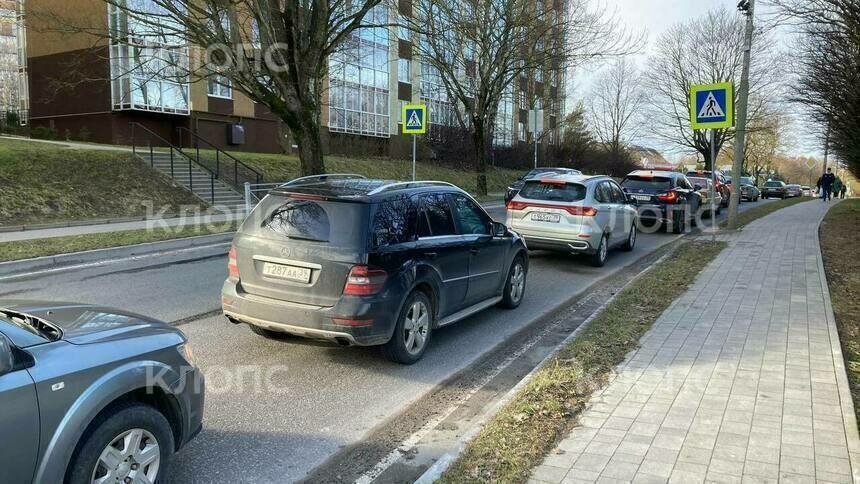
(277, 409)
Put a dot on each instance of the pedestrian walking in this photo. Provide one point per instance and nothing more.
(837, 187)
(842, 191)
(826, 184)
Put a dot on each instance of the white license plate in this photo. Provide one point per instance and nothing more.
(642, 198)
(546, 217)
(290, 273)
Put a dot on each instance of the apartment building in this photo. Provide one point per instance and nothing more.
(76, 80)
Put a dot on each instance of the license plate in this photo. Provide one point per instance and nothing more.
(290, 273)
(642, 198)
(546, 217)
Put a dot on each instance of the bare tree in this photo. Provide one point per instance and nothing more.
(616, 102)
(478, 49)
(277, 53)
(828, 60)
(702, 51)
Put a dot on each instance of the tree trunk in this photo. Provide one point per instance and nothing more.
(310, 148)
(285, 137)
(481, 156)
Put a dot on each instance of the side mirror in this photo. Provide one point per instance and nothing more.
(499, 229)
(7, 356)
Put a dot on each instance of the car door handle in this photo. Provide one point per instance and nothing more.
(431, 255)
(474, 250)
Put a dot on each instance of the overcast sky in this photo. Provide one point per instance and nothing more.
(654, 17)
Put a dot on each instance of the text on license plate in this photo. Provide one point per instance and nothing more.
(642, 198)
(546, 217)
(290, 273)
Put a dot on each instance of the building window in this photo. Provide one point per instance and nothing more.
(504, 129)
(220, 86)
(522, 97)
(149, 64)
(358, 88)
(404, 70)
(539, 75)
(403, 33)
(434, 94)
(522, 130)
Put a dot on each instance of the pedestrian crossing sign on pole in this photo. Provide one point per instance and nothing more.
(711, 106)
(414, 118)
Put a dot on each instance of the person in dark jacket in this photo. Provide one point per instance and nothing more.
(826, 184)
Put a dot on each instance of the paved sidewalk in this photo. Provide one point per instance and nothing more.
(740, 380)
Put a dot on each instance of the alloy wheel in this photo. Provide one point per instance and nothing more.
(133, 457)
(415, 327)
(632, 237)
(518, 282)
(603, 249)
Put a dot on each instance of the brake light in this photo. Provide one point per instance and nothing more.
(669, 197)
(573, 210)
(232, 264)
(364, 281)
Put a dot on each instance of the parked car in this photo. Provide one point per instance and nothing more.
(749, 191)
(807, 191)
(793, 190)
(774, 189)
(574, 213)
(663, 197)
(723, 185)
(517, 185)
(703, 186)
(92, 394)
(370, 262)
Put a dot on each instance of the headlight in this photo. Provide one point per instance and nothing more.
(187, 353)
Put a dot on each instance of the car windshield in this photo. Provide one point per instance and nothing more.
(747, 181)
(637, 182)
(773, 184)
(553, 192)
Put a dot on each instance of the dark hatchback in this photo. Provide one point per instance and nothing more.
(370, 262)
(663, 197)
(774, 189)
(518, 184)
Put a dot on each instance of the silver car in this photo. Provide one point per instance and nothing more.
(574, 213)
(91, 394)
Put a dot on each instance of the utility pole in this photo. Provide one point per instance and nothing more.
(747, 7)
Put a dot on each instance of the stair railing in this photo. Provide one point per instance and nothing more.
(227, 168)
(141, 134)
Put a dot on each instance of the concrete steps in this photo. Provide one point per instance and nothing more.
(216, 193)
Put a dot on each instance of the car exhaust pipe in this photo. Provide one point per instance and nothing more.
(343, 341)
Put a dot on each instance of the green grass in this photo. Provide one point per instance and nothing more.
(838, 236)
(45, 183)
(517, 438)
(760, 211)
(28, 249)
(277, 168)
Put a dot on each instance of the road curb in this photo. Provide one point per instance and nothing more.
(12, 268)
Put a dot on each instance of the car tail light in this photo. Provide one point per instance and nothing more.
(573, 210)
(669, 197)
(232, 265)
(364, 281)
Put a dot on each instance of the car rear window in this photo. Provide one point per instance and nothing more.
(342, 224)
(773, 184)
(647, 183)
(554, 192)
(699, 181)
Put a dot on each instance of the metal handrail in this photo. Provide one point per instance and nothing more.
(218, 152)
(168, 144)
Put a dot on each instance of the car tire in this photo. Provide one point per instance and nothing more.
(128, 424)
(515, 284)
(268, 333)
(598, 259)
(416, 318)
(631, 239)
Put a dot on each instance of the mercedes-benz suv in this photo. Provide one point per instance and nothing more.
(370, 262)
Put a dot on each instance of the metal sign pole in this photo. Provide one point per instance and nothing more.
(414, 152)
(714, 185)
(536, 139)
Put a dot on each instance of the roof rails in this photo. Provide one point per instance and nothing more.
(324, 177)
(412, 184)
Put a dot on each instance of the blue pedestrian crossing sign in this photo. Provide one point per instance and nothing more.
(711, 106)
(414, 118)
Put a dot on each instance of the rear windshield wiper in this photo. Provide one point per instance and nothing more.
(32, 324)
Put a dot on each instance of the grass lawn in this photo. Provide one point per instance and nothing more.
(28, 249)
(277, 168)
(45, 183)
(838, 235)
(518, 437)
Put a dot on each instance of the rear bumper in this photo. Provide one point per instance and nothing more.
(314, 322)
(565, 245)
(564, 238)
(659, 213)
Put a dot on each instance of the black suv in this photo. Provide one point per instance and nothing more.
(665, 197)
(370, 262)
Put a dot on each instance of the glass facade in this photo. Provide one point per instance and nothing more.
(149, 65)
(504, 130)
(358, 81)
(434, 94)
